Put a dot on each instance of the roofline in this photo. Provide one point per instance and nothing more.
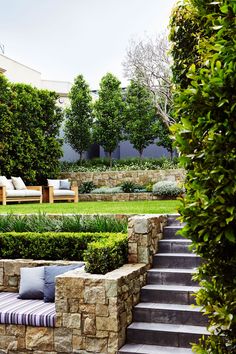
(15, 61)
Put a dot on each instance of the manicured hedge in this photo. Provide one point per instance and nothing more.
(104, 251)
(106, 254)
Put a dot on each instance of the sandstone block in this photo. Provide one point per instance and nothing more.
(40, 338)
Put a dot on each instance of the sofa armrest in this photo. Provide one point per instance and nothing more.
(3, 198)
(36, 188)
(75, 189)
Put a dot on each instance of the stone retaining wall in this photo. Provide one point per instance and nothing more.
(118, 197)
(93, 311)
(114, 178)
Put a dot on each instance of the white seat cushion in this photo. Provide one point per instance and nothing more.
(63, 192)
(23, 193)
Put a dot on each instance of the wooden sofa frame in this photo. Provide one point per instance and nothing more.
(4, 199)
(48, 196)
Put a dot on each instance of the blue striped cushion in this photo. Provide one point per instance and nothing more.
(26, 312)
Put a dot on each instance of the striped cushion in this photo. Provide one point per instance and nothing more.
(26, 312)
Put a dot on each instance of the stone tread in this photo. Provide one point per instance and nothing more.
(174, 328)
(171, 287)
(152, 349)
(173, 270)
(177, 240)
(162, 306)
(188, 255)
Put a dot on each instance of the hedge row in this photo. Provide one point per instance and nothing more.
(103, 251)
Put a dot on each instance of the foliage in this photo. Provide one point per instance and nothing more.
(30, 121)
(140, 116)
(164, 138)
(105, 190)
(148, 61)
(79, 117)
(205, 80)
(76, 223)
(107, 254)
(167, 189)
(131, 164)
(128, 187)
(108, 110)
(113, 248)
(86, 187)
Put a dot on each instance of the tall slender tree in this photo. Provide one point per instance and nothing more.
(79, 117)
(140, 116)
(108, 111)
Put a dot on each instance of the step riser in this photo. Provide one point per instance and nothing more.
(172, 220)
(175, 262)
(172, 247)
(170, 279)
(162, 338)
(167, 296)
(169, 316)
(171, 233)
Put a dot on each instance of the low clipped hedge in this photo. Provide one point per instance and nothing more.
(103, 251)
(106, 254)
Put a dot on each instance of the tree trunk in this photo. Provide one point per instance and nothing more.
(171, 154)
(110, 159)
(140, 156)
(80, 158)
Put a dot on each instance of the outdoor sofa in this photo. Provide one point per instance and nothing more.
(60, 190)
(14, 190)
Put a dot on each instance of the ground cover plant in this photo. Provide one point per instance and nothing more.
(204, 52)
(129, 164)
(74, 223)
(128, 207)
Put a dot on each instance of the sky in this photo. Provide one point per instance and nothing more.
(64, 38)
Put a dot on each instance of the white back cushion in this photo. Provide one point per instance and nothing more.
(6, 182)
(55, 182)
(18, 183)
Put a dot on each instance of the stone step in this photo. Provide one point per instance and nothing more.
(174, 246)
(164, 334)
(173, 219)
(152, 349)
(170, 276)
(169, 313)
(171, 294)
(176, 260)
(171, 232)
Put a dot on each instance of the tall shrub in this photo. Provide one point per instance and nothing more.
(79, 117)
(108, 110)
(205, 81)
(30, 147)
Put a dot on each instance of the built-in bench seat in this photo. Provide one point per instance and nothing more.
(26, 312)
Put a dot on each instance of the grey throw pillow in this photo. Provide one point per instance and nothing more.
(50, 273)
(31, 283)
(64, 184)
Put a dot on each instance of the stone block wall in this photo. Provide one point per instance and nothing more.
(117, 197)
(114, 178)
(93, 311)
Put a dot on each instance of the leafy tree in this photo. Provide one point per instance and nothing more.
(108, 110)
(205, 81)
(30, 121)
(148, 62)
(140, 116)
(79, 117)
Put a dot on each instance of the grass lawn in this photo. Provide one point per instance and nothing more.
(136, 207)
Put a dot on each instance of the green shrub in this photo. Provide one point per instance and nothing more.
(105, 190)
(103, 251)
(29, 130)
(86, 187)
(107, 254)
(167, 189)
(128, 187)
(129, 164)
(48, 245)
(203, 34)
(76, 223)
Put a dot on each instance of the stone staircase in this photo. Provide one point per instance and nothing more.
(164, 322)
